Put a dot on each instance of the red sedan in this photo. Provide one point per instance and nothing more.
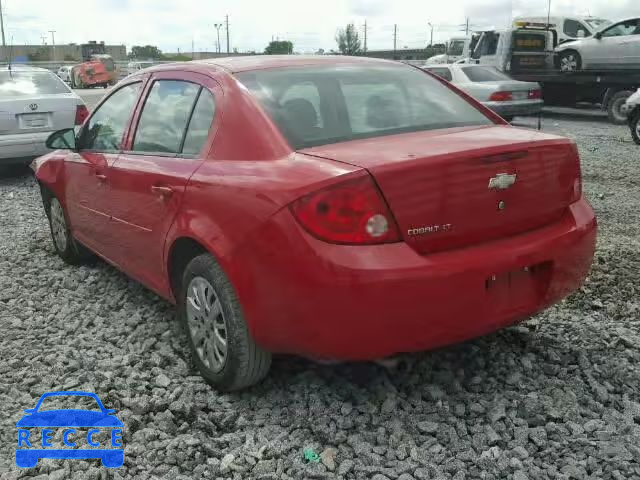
(332, 207)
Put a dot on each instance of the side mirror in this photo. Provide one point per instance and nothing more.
(64, 139)
(581, 34)
(598, 36)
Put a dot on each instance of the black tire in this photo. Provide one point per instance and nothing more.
(634, 124)
(569, 61)
(614, 106)
(245, 363)
(68, 250)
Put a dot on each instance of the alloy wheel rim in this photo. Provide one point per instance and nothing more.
(568, 63)
(58, 225)
(638, 128)
(207, 324)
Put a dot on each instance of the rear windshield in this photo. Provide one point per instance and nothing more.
(23, 84)
(484, 74)
(322, 105)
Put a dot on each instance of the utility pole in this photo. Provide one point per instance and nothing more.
(4, 45)
(218, 26)
(431, 40)
(192, 50)
(365, 36)
(466, 30)
(53, 44)
(226, 21)
(44, 39)
(395, 37)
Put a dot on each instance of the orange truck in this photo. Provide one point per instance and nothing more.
(96, 70)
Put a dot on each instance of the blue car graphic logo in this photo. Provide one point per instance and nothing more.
(97, 424)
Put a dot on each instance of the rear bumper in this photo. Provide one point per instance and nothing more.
(304, 296)
(22, 146)
(516, 108)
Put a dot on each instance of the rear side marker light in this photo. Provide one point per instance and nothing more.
(352, 212)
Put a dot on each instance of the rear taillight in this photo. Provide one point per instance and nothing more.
(501, 96)
(352, 212)
(535, 94)
(81, 114)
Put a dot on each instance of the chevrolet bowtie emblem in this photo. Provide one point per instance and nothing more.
(502, 181)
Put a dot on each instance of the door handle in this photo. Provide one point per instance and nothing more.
(101, 177)
(164, 192)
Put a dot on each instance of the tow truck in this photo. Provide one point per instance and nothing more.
(527, 53)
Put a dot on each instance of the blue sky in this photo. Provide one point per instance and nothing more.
(171, 24)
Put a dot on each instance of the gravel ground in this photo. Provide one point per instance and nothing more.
(556, 397)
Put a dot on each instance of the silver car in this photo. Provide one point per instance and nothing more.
(614, 47)
(505, 96)
(33, 103)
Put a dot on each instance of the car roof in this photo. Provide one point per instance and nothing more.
(259, 62)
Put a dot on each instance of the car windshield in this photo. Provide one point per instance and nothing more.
(597, 23)
(23, 84)
(74, 402)
(484, 74)
(329, 104)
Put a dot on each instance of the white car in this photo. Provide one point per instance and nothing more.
(614, 47)
(505, 96)
(34, 102)
(64, 72)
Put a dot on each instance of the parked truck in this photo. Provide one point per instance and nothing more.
(97, 68)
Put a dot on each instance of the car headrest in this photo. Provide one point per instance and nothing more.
(301, 113)
(381, 113)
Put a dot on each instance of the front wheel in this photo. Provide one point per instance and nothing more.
(220, 342)
(65, 245)
(634, 124)
(570, 61)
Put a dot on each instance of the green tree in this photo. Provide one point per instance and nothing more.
(147, 52)
(348, 40)
(279, 47)
(180, 57)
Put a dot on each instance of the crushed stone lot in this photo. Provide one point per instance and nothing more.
(556, 397)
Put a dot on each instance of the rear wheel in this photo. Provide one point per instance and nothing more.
(222, 347)
(614, 107)
(66, 246)
(634, 124)
(570, 61)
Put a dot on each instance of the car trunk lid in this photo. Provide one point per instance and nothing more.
(462, 186)
(37, 114)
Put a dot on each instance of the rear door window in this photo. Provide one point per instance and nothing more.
(164, 117)
(200, 123)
